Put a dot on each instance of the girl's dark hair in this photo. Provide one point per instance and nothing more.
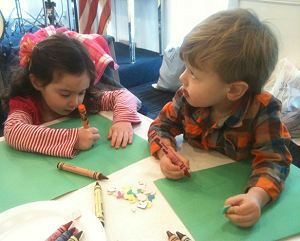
(57, 54)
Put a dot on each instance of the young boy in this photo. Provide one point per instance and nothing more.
(221, 106)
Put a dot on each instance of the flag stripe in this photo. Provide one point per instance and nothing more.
(88, 21)
(104, 16)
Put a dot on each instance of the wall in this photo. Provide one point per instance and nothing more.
(146, 23)
(285, 18)
(179, 17)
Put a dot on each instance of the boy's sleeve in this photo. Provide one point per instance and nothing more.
(168, 124)
(272, 159)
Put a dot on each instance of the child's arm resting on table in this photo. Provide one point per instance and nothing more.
(246, 208)
(270, 168)
(21, 134)
(168, 125)
(124, 105)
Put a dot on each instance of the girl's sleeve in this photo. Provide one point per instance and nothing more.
(21, 134)
(123, 103)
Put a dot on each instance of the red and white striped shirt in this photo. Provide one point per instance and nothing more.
(24, 131)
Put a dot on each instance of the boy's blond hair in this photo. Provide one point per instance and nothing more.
(236, 45)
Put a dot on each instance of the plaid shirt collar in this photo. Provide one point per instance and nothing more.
(202, 115)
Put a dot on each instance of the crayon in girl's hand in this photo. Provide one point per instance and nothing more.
(83, 116)
(170, 153)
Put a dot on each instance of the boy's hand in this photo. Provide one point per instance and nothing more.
(86, 138)
(120, 134)
(246, 208)
(168, 168)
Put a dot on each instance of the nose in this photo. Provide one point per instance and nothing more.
(183, 78)
(74, 101)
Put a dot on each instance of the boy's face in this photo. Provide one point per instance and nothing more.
(65, 93)
(203, 88)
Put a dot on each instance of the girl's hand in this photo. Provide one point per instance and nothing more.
(169, 169)
(86, 138)
(246, 208)
(120, 134)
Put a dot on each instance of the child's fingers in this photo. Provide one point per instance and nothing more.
(125, 139)
(169, 169)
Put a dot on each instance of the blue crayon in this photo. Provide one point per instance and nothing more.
(66, 235)
(59, 231)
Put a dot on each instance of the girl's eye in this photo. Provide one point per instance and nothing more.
(65, 95)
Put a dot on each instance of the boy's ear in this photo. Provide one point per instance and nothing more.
(36, 83)
(237, 90)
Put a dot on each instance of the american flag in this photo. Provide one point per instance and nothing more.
(93, 15)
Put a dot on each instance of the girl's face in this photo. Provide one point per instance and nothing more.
(203, 88)
(64, 93)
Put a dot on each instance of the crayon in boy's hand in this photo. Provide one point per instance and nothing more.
(225, 208)
(170, 153)
(83, 116)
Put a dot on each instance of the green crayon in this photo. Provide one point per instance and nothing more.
(225, 208)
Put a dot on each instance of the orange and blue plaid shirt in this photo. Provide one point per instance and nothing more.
(253, 132)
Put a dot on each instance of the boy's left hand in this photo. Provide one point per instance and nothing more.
(246, 208)
(120, 134)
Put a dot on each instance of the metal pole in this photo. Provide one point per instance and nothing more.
(45, 13)
(131, 29)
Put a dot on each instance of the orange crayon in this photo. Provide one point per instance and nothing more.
(81, 171)
(172, 236)
(83, 116)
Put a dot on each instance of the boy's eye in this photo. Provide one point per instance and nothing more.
(192, 74)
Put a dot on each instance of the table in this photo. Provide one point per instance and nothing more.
(121, 224)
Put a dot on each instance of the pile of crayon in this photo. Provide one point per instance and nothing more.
(138, 194)
(65, 233)
(179, 237)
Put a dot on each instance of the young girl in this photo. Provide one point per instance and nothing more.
(58, 76)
